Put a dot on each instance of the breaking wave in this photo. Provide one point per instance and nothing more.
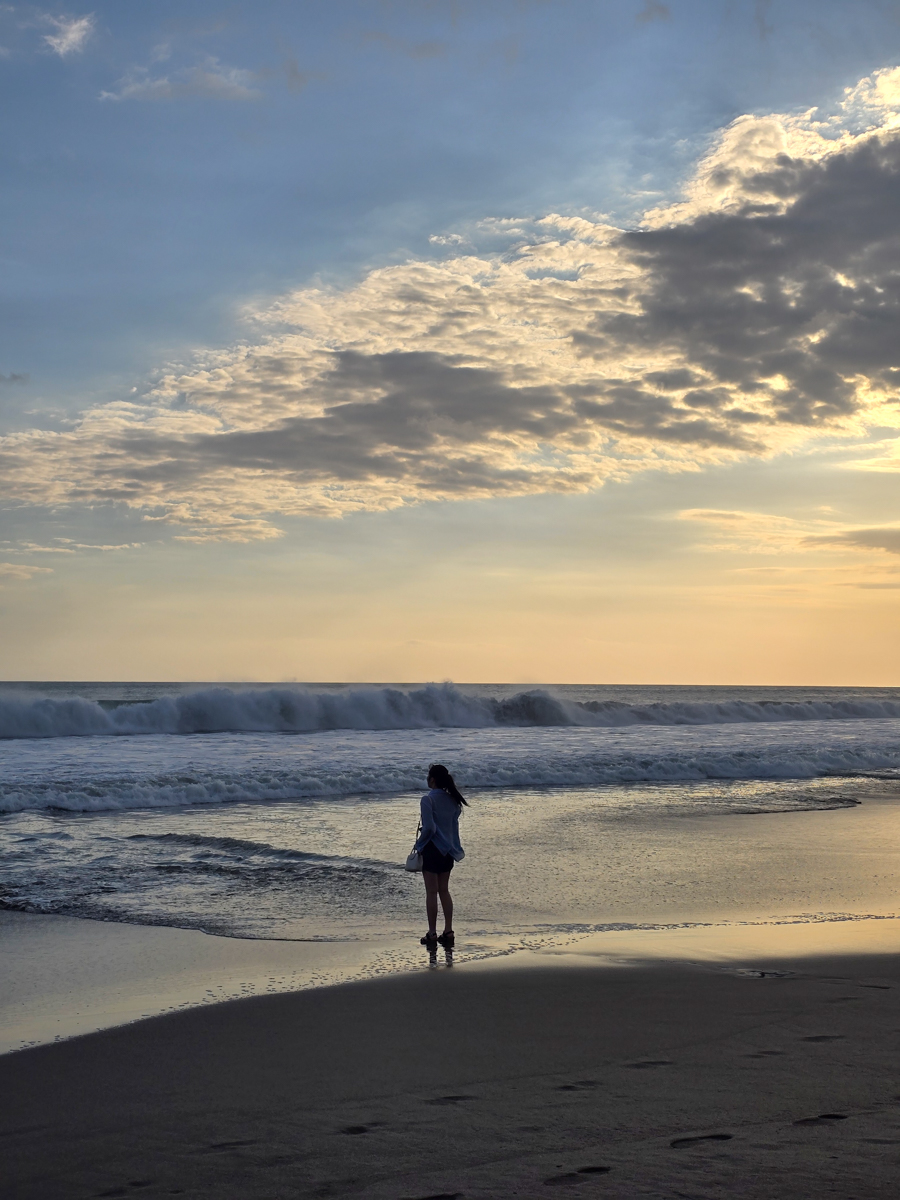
(298, 710)
(570, 767)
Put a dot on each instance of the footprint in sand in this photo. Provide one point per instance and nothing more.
(443, 1196)
(580, 1085)
(355, 1129)
(450, 1099)
(702, 1137)
(824, 1037)
(765, 1054)
(218, 1147)
(645, 1064)
(575, 1176)
(822, 1119)
(123, 1191)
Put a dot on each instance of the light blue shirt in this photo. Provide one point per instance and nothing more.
(440, 824)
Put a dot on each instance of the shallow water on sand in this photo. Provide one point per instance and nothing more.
(540, 863)
(286, 812)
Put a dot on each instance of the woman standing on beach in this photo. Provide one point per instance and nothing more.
(440, 848)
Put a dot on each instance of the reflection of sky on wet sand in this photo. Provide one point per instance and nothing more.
(542, 865)
(798, 885)
(751, 946)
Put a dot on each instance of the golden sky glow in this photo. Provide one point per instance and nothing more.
(552, 450)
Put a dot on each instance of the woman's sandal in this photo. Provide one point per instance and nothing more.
(447, 939)
(430, 939)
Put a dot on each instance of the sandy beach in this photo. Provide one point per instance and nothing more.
(661, 1080)
(735, 1053)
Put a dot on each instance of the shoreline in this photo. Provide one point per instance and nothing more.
(67, 977)
(789, 884)
(622, 1082)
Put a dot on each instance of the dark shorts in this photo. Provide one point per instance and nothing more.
(433, 860)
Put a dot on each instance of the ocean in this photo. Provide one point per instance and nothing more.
(286, 811)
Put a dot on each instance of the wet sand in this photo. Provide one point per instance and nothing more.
(63, 976)
(658, 1081)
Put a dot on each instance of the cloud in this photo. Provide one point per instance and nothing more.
(767, 533)
(70, 547)
(881, 538)
(13, 378)
(35, 548)
(448, 239)
(755, 316)
(16, 572)
(760, 12)
(738, 531)
(429, 49)
(72, 34)
(210, 80)
(653, 10)
(296, 79)
(888, 460)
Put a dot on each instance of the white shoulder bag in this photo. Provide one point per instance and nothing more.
(414, 858)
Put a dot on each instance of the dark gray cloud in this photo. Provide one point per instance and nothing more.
(421, 420)
(411, 418)
(868, 539)
(787, 308)
(633, 411)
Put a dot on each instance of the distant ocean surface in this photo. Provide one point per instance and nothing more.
(286, 810)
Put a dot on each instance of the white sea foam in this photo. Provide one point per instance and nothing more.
(301, 710)
(143, 773)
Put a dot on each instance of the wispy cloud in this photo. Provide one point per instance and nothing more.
(13, 378)
(768, 533)
(34, 548)
(753, 318)
(740, 531)
(69, 546)
(18, 572)
(210, 80)
(71, 36)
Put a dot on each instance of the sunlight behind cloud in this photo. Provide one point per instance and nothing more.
(756, 317)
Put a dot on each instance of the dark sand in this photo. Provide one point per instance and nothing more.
(657, 1081)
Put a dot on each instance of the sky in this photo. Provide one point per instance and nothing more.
(522, 340)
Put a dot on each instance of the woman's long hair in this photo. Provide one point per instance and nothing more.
(444, 780)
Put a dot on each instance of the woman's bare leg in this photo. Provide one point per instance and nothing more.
(431, 898)
(443, 890)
